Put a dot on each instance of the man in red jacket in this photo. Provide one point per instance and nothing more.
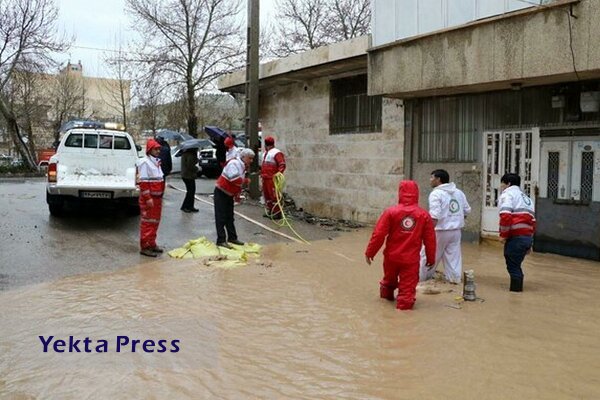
(517, 226)
(407, 227)
(273, 162)
(227, 189)
(152, 186)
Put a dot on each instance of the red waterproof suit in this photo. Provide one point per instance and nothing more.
(407, 227)
(273, 162)
(151, 188)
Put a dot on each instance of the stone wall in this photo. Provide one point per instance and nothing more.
(353, 176)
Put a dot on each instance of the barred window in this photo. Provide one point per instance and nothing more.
(553, 171)
(351, 110)
(587, 175)
(448, 129)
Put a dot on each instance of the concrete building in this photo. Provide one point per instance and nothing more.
(514, 92)
(101, 96)
(480, 89)
(344, 149)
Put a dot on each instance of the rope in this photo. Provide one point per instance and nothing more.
(279, 183)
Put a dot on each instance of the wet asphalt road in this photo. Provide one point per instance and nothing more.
(36, 247)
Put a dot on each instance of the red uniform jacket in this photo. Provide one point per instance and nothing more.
(407, 227)
(273, 162)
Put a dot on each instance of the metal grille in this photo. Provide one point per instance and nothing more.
(587, 175)
(492, 151)
(352, 111)
(553, 163)
(449, 129)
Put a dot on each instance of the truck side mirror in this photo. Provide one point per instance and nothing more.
(138, 147)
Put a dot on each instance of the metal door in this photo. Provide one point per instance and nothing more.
(570, 169)
(507, 151)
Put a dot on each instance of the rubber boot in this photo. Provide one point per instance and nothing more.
(386, 293)
(516, 284)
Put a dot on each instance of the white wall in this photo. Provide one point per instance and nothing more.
(400, 19)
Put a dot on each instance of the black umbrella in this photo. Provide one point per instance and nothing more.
(173, 135)
(193, 144)
(215, 133)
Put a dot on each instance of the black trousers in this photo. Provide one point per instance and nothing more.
(190, 187)
(224, 216)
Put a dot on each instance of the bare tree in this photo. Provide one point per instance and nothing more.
(307, 24)
(189, 43)
(69, 94)
(27, 96)
(116, 92)
(27, 38)
(301, 26)
(348, 19)
(149, 96)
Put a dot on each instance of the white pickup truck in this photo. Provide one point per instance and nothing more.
(91, 165)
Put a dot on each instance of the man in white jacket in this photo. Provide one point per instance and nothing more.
(448, 208)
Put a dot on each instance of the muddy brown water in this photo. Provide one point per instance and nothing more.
(305, 322)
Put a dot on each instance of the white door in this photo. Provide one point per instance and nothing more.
(503, 152)
(570, 169)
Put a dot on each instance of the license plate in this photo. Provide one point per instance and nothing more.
(96, 195)
(203, 161)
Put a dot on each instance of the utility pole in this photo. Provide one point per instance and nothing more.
(252, 91)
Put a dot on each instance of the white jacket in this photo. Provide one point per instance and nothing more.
(448, 205)
(232, 153)
(149, 168)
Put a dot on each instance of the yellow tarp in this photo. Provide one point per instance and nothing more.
(215, 255)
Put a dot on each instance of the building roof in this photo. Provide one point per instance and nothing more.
(343, 58)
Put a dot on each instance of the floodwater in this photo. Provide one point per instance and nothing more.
(305, 322)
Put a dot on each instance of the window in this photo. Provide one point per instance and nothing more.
(587, 175)
(74, 140)
(553, 164)
(448, 129)
(90, 141)
(351, 110)
(106, 141)
(121, 143)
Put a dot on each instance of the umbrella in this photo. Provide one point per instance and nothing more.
(193, 144)
(215, 133)
(173, 135)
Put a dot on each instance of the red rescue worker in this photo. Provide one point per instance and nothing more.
(273, 162)
(227, 190)
(407, 227)
(232, 150)
(152, 186)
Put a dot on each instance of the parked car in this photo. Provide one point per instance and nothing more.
(209, 166)
(93, 164)
(176, 156)
(44, 155)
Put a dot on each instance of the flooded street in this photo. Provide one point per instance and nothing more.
(305, 322)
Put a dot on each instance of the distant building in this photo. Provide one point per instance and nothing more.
(89, 97)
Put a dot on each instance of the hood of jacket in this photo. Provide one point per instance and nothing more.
(408, 193)
(447, 187)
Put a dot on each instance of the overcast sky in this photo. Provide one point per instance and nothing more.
(96, 24)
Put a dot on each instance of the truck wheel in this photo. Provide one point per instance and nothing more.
(55, 209)
(55, 204)
(133, 210)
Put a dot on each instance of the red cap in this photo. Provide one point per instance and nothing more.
(229, 142)
(269, 141)
(151, 144)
